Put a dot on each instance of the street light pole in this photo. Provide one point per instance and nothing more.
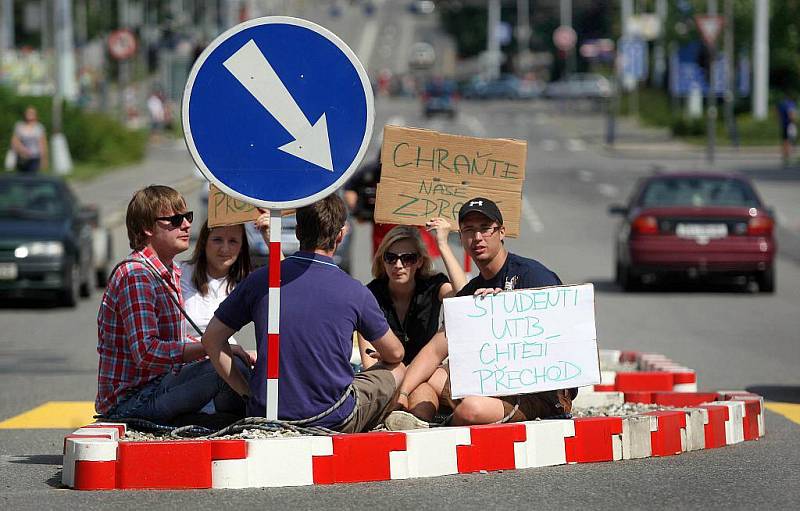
(6, 24)
(492, 41)
(760, 59)
(711, 99)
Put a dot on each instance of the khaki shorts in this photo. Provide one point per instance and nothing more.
(540, 405)
(375, 389)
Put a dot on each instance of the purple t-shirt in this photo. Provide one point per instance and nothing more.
(321, 306)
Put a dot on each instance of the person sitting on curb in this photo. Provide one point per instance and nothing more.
(408, 291)
(426, 386)
(321, 307)
(149, 367)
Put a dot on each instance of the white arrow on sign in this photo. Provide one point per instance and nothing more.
(253, 70)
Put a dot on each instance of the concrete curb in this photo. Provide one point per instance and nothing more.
(97, 456)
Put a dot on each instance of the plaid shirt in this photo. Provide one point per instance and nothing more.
(140, 331)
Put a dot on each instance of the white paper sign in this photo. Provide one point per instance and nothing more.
(523, 341)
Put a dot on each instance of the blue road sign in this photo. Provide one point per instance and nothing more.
(634, 57)
(278, 112)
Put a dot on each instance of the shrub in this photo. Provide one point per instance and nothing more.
(94, 138)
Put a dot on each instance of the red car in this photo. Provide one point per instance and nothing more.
(695, 224)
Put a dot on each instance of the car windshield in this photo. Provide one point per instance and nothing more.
(30, 199)
(697, 192)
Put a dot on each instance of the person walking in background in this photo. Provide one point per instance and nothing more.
(408, 291)
(29, 143)
(158, 115)
(787, 115)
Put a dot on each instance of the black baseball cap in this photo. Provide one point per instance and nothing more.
(483, 206)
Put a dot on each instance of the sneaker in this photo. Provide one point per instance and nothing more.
(399, 420)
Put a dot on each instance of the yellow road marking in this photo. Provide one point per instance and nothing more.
(53, 415)
(789, 410)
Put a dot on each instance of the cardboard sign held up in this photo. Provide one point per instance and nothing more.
(225, 210)
(427, 174)
(523, 341)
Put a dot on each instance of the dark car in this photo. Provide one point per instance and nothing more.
(695, 224)
(46, 244)
(439, 97)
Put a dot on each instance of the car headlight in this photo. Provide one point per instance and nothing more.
(39, 248)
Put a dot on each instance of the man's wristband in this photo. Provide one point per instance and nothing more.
(403, 393)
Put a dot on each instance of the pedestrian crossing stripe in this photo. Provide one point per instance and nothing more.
(53, 415)
(789, 410)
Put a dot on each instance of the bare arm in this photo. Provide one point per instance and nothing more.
(45, 160)
(457, 277)
(215, 342)
(364, 346)
(262, 224)
(425, 363)
(389, 348)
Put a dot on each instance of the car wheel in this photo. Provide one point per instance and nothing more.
(766, 281)
(70, 295)
(102, 278)
(628, 280)
(88, 285)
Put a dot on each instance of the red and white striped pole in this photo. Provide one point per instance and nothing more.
(274, 313)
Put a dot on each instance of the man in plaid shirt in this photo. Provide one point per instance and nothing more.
(149, 367)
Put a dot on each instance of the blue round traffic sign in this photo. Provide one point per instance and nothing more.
(278, 112)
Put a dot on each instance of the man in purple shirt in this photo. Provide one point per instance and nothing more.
(321, 307)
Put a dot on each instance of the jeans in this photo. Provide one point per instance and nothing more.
(187, 391)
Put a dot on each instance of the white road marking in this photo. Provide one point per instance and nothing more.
(607, 190)
(585, 175)
(367, 43)
(254, 72)
(475, 126)
(530, 215)
(549, 144)
(575, 145)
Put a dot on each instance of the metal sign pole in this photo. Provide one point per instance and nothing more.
(274, 313)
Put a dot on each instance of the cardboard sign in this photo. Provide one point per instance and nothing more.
(225, 210)
(426, 174)
(518, 342)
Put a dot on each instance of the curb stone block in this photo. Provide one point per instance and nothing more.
(670, 436)
(596, 439)
(714, 427)
(171, 465)
(429, 453)
(696, 418)
(492, 447)
(683, 398)
(639, 397)
(86, 453)
(358, 457)
(741, 395)
(545, 443)
(644, 381)
(734, 426)
(636, 440)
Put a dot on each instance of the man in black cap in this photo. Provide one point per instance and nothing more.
(426, 386)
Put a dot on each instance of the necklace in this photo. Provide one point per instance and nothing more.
(313, 260)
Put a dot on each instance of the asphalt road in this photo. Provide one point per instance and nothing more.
(734, 339)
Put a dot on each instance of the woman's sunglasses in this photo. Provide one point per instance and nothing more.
(406, 259)
(176, 220)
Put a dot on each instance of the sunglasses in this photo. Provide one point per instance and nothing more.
(406, 259)
(176, 220)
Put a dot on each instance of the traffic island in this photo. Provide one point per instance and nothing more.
(668, 422)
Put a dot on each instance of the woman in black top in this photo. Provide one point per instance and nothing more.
(409, 293)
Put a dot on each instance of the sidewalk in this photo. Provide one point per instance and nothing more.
(167, 163)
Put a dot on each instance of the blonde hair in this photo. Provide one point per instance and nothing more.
(399, 233)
